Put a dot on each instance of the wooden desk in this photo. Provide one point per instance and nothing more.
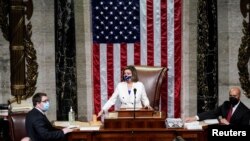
(137, 129)
(138, 134)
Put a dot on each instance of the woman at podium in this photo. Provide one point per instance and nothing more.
(130, 91)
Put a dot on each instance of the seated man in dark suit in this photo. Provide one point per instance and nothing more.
(232, 112)
(38, 127)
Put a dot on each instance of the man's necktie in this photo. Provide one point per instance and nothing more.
(229, 114)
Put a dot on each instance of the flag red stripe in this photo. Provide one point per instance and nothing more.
(110, 72)
(137, 54)
(177, 30)
(123, 55)
(150, 33)
(164, 58)
(96, 77)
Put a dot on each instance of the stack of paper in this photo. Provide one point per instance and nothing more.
(174, 122)
(25, 106)
(67, 124)
(193, 125)
(211, 121)
(90, 128)
(4, 112)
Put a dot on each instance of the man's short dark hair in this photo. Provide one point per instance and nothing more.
(38, 98)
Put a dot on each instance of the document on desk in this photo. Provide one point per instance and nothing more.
(90, 128)
(70, 125)
(211, 121)
(193, 125)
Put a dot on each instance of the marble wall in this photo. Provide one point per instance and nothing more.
(189, 59)
(44, 42)
(4, 69)
(83, 59)
(65, 49)
(229, 33)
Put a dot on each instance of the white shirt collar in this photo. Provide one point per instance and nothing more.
(40, 110)
(234, 108)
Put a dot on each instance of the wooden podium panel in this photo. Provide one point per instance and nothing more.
(142, 119)
(134, 123)
(135, 113)
(135, 135)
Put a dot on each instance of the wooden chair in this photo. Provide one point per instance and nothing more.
(152, 78)
(17, 126)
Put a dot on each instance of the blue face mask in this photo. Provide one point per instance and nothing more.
(127, 77)
(45, 106)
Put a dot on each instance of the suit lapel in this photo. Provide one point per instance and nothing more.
(236, 112)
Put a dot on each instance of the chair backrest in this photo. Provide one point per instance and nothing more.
(152, 78)
(17, 126)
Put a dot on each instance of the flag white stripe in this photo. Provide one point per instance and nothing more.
(157, 32)
(170, 24)
(117, 70)
(117, 64)
(103, 73)
(130, 54)
(143, 32)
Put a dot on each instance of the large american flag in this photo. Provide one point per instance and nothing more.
(136, 32)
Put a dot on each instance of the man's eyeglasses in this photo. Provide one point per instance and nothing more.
(45, 101)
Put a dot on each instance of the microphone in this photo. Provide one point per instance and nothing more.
(135, 91)
(134, 100)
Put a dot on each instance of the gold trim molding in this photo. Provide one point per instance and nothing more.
(17, 47)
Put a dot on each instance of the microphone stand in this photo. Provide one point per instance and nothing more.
(134, 100)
